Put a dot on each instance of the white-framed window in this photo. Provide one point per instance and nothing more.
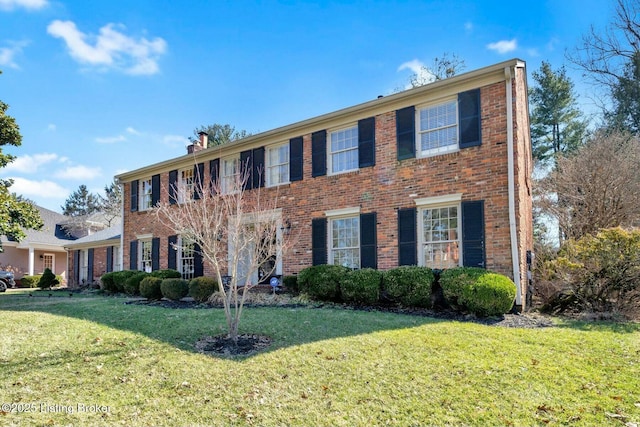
(185, 185)
(230, 173)
(145, 194)
(116, 258)
(186, 259)
(439, 232)
(278, 165)
(145, 256)
(344, 237)
(437, 128)
(48, 261)
(343, 150)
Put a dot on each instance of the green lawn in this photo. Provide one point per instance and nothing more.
(96, 361)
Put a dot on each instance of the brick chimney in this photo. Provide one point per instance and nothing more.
(199, 145)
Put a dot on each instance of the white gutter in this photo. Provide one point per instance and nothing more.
(515, 258)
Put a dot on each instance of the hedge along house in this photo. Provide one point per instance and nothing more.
(438, 176)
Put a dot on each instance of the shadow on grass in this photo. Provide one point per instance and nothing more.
(286, 326)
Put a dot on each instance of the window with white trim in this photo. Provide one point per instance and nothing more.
(186, 258)
(115, 257)
(343, 150)
(47, 262)
(278, 165)
(439, 235)
(344, 241)
(144, 263)
(437, 128)
(185, 185)
(230, 173)
(145, 194)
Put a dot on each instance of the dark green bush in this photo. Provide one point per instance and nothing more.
(492, 294)
(201, 288)
(453, 281)
(108, 282)
(290, 283)
(174, 289)
(322, 282)
(361, 286)
(132, 284)
(47, 279)
(409, 285)
(120, 279)
(150, 287)
(30, 281)
(167, 274)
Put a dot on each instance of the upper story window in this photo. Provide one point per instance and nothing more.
(278, 165)
(438, 128)
(230, 174)
(145, 194)
(185, 185)
(343, 150)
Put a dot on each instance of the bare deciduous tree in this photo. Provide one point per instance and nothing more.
(597, 187)
(239, 233)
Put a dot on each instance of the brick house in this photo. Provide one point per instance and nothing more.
(91, 256)
(438, 175)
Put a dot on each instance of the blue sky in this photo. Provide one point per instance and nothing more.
(103, 87)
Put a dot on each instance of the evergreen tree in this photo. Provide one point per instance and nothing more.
(625, 113)
(220, 134)
(81, 203)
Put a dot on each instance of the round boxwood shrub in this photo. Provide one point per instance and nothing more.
(167, 274)
(120, 279)
(361, 286)
(453, 281)
(322, 282)
(201, 288)
(107, 281)
(409, 285)
(30, 281)
(491, 294)
(132, 284)
(174, 289)
(290, 283)
(150, 287)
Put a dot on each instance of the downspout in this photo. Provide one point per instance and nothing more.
(515, 258)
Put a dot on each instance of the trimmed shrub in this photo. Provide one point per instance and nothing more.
(361, 286)
(492, 294)
(290, 283)
(167, 274)
(322, 282)
(30, 281)
(108, 282)
(47, 279)
(201, 288)
(174, 289)
(120, 279)
(132, 284)
(454, 280)
(150, 287)
(409, 285)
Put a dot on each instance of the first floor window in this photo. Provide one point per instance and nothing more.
(343, 150)
(278, 165)
(145, 194)
(440, 237)
(145, 256)
(438, 128)
(186, 259)
(47, 262)
(116, 258)
(345, 242)
(230, 174)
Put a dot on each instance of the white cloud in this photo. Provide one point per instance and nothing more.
(78, 173)
(503, 46)
(45, 189)
(29, 164)
(175, 140)
(133, 131)
(51, 127)
(110, 139)
(7, 54)
(111, 48)
(27, 4)
(417, 67)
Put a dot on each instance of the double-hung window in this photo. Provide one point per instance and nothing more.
(439, 234)
(145, 256)
(145, 194)
(186, 258)
(343, 150)
(185, 185)
(438, 128)
(344, 241)
(230, 174)
(278, 165)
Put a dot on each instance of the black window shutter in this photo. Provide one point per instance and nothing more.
(173, 190)
(90, 265)
(172, 252)
(109, 259)
(246, 169)
(133, 255)
(406, 132)
(76, 266)
(155, 190)
(368, 241)
(367, 142)
(214, 167)
(155, 254)
(198, 179)
(469, 118)
(198, 264)
(319, 153)
(258, 169)
(134, 195)
(295, 159)
(407, 238)
(473, 234)
(319, 240)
